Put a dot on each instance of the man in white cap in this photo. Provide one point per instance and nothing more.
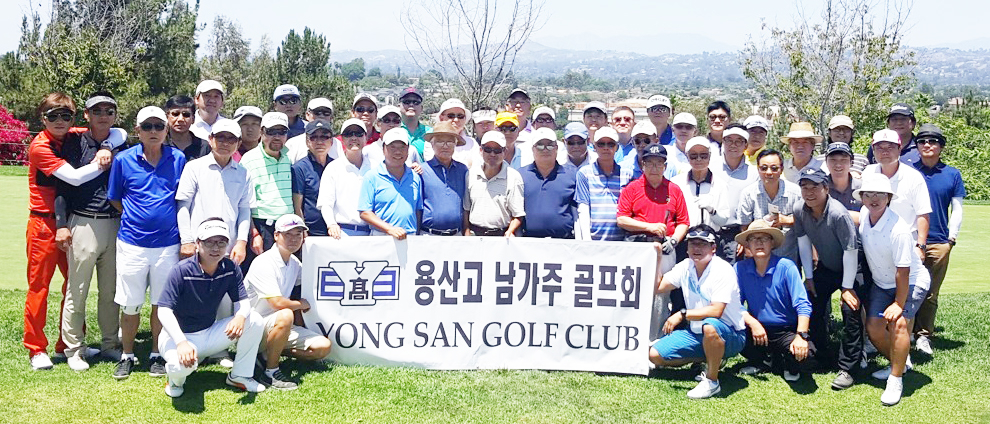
(739, 175)
(142, 185)
(274, 289)
(802, 141)
(287, 99)
(579, 152)
(365, 108)
(307, 174)
(340, 185)
(520, 104)
(318, 108)
(772, 199)
(595, 116)
(391, 198)
(270, 173)
(209, 99)
(452, 111)
(494, 204)
(388, 118)
(249, 119)
(658, 108)
(484, 121)
(901, 120)
(685, 128)
(703, 189)
(544, 117)
(758, 128)
(597, 191)
(410, 111)
(187, 310)
(643, 134)
(548, 190)
(912, 203)
(180, 110)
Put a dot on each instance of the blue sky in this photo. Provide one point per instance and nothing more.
(374, 24)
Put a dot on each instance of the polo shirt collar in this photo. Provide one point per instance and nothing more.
(780, 187)
(536, 171)
(166, 151)
(316, 163)
(232, 164)
(283, 154)
(420, 130)
(615, 169)
(885, 223)
(383, 171)
(920, 165)
(707, 179)
(435, 163)
(771, 266)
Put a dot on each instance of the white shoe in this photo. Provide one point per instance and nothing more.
(924, 344)
(702, 376)
(791, 377)
(705, 389)
(41, 361)
(173, 390)
(750, 370)
(883, 374)
(77, 362)
(247, 384)
(892, 394)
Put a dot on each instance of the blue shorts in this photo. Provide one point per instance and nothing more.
(880, 299)
(685, 344)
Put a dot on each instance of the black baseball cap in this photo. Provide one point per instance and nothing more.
(318, 124)
(931, 131)
(815, 175)
(838, 148)
(654, 151)
(901, 109)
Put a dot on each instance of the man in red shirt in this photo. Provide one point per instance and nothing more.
(652, 209)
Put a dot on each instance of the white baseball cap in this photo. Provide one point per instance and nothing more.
(272, 119)
(484, 116)
(840, 121)
(208, 85)
(658, 100)
(288, 222)
(736, 131)
(684, 118)
(226, 125)
(320, 102)
(698, 141)
(351, 122)
(595, 105)
(544, 110)
(886, 135)
(493, 137)
(212, 228)
(644, 127)
(395, 134)
(248, 111)
(387, 109)
(149, 112)
(606, 132)
(285, 90)
(452, 104)
(755, 121)
(543, 134)
(364, 96)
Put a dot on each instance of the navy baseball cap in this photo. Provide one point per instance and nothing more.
(815, 175)
(411, 91)
(654, 151)
(319, 124)
(838, 148)
(701, 234)
(901, 109)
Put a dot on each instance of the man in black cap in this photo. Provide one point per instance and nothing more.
(307, 172)
(840, 159)
(520, 104)
(901, 119)
(411, 108)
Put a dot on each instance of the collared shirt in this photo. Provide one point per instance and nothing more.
(416, 139)
(271, 277)
(443, 195)
(340, 188)
(793, 174)
(297, 128)
(645, 203)
(624, 150)
(516, 162)
(375, 152)
(778, 297)
(492, 203)
(201, 129)
(600, 192)
(845, 197)
(832, 234)
(468, 154)
(194, 296)
(909, 153)
(43, 161)
(148, 196)
(631, 170)
(912, 194)
(676, 159)
(91, 196)
(667, 136)
(215, 191)
(196, 149)
(549, 202)
(755, 204)
(737, 179)
(713, 187)
(306, 176)
(394, 201)
(889, 244)
(717, 284)
(944, 183)
(271, 180)
(590, 158)
(298, 148)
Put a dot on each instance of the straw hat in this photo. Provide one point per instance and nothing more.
(761, 226)
(801, 130)
(444, 127)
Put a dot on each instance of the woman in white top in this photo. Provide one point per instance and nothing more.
(900, 280)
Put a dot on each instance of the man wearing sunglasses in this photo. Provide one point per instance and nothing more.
(249, 119)
(658, 108)
(365, 108)
(595, 117)
(719, 116)
(444, 184)
(685, 128)
(143, 183)
(209, 99)
(548, 190)
(901, 120)
(494, 204)
(774, 200)
(388, 118)
(180, 110)
(623, 120)
(579, 152)
(270, 172)
(507, 124)
(597, 191)
(454, 111)
(318, 108)
(643, 134)
(738, 175)
(288, 100)
(391, 197)
(308, 172)
(410, 111)
(544, 117)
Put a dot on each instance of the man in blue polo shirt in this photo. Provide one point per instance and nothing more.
(778, 312)
(444, 184)
(307, 173)
(143, 182)
(391, 198)
(187, 310)
(597, 191)
(548, 190)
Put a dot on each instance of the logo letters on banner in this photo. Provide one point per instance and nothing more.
(353, 285)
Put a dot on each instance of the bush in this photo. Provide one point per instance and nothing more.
(14, 139)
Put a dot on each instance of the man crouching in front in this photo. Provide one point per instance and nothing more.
(187, 310)
(712, 307)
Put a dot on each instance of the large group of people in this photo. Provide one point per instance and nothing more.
(206, 216)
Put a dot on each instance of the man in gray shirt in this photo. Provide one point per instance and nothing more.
(823, 223)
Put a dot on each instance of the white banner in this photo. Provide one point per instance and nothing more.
(482, 302)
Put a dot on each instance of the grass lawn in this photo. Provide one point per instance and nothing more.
(953, 386)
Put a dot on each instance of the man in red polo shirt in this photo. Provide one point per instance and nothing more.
(58, 112)
(652, 209)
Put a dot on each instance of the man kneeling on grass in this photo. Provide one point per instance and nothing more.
(272, 282)
(717, 330)
(187, 310)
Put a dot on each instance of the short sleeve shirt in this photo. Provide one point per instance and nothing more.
(194, 296)
(549, 202)
(600, 192)
(792, 174)
(306, 176)
(195, 150)
(912, 194)
(717, 284)
(147, 193)
(271, 277)
(271, 180)
(663, 203)
(831, 235)
(214, 191)
(340, 188)
(492, 203)
(738, 179)
(394, 201)
(845, 197)
(944, 183)
(755, 204)
(889, 245)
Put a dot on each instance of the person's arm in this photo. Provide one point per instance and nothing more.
(170, 324)
(923, 225)
(955, 218)
(186, 236)
(713, 310)
(680, 232)
(297, 204)
(633, 225)
(372, 219)
(117, 205)
(894, 310)
(467, 223)
(516, 204)
(514, 225)
(279, 302)
(755, 329)
(63, 236)
(298, 184)
(77, 176)
(805, 252)
(582, 230)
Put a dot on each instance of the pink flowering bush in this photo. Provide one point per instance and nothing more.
(14, 139)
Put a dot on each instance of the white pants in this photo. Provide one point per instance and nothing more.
(213, 340)
(661, 302)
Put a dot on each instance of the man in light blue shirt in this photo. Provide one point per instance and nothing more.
(391, 198)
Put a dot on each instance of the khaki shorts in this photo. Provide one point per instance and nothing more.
(300, 338)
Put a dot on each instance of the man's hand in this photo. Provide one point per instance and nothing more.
(759, 333)
(799, 348)
(704, 202)
(187, 353)
(103, 159)
(305, 305)
(398, 233)
(187, 250)
(417, 168)
(673, 321)
(669, 245)
(510, 233)
(659, 229)
(850, 298)
(893, 312)
(333, 230)
(809, 285)
(63, 239)
(239, 252)
(257, 244)
(235, 327)
(920, 253)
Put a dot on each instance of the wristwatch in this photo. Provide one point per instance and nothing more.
(923, 247)
(952, 242)
(683, 313)
(804, 335)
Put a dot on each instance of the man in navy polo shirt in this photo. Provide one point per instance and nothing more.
(444, 184)
(143, 182)
(307, 173)
(391, 198)
(548, 190)
(187, 310)
(946, 191)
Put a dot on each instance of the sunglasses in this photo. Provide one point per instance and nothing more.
(493, 150)
(220, 244)
(148, 126)
(293, 100)
(545, 146)
(622, 119)
(412, 102)
(351, 134)
(182, 113)
(56, 116)
(683, 127)
(766, 168)
(658, 109)
(872, 194)
(924, 141)
(639, 141)
(543, 120)
(718, 117)
(508, 129)
(577, 143)
(103, 112)
(274, 132)
(324, 137)
(455, 116)
(606, 144)
(323, 112)
(365, 109)
(701, 156)
(654, 164)
(390, 121)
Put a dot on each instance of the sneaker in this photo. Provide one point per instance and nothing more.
(156, 366)
(842, 381)
(111, 354)
(247, 384)
(704, 390)
(884, 373)
(173, 390)
(123, 369)
(278, 381)
(77, 362)
(755, 369)
(41, 361)
(892, 394)
(791, 377)
(924, 344)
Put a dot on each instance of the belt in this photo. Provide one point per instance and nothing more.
(351, 227)
(482, 231)
(48, 215)
(451, 232)
(96, 215)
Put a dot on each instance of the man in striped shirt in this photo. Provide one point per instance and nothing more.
(597, 191)
(270, 170)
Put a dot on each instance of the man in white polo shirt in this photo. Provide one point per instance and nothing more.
(340, 185)
(209, 100)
